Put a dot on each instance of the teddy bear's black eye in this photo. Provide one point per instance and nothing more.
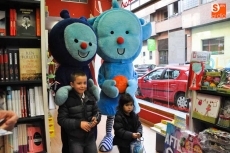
(75, 40)
(112, 32)
(127, 32)
(90, 44)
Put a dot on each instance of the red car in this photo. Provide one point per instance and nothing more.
(167, 83)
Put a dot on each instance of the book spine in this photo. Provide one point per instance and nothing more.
(16, 65)
(38, 22)
(14, 22)
(2, 74)
(24, 101)
(21, 102)
(28, 103)
(11, 22)
(11, 68)
(3, 26)
(6, 62)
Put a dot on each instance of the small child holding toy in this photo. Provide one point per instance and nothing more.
(127, 126)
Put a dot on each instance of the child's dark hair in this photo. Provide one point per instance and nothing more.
(124, 99)
(75, 74)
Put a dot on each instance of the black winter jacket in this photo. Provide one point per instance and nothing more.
(73, 111)
(122, 130)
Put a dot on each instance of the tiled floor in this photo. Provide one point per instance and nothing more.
(148, 134)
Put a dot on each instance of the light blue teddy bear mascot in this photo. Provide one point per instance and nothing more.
(120, 36)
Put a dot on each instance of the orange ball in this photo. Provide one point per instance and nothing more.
(121, 83)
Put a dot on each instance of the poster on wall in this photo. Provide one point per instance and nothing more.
(181, 141)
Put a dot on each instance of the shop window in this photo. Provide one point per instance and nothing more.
(214, 45)
(76, 1)
(163, 57)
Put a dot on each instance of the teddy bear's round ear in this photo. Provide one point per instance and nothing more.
(64, 14)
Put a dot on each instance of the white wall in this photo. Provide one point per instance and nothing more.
(213, 31)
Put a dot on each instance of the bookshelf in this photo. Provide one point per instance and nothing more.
(198, 125)
(38, 41)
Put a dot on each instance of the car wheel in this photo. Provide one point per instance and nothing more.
(181, 101)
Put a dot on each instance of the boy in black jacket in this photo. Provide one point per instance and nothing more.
(79, 115)
(127, 126)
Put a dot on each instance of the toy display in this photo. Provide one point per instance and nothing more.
(224, 116)
(215, 141)
(206, 107)
(120, 38)
(224, 85)
(181, 141)
(73, 44)
(196, 74)
(211, 79)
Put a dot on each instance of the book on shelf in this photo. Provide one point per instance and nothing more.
(10, 64)
(35, 139)
(5, 63)
(2, 23)
(2, 71)
(13, 65)
(30, 64)
(12, 22)
(26, 22)
(2, 149)
(206, 107)
(38, 22)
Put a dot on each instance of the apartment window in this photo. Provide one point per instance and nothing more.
(76, 1)
(150, 55)
(152, 17)
(143, 53)
(206, 1)
(188, 4)
(214, 45)
(165, 14)
(173, 9)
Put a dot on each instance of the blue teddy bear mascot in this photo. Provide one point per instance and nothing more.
(73, 44)
(120, 37)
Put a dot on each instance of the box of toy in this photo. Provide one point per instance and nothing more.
(181, 141)
(224, 85)
(214, 141)
(224, 115)
(206, 107)
(210, 80)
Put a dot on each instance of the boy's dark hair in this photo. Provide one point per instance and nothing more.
(124, 99)
(75, 74)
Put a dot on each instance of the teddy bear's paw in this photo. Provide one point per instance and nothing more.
(62, 95)
(110, 89)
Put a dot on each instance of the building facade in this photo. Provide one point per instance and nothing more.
(182, 26)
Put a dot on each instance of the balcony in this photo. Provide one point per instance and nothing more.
(172, 23)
